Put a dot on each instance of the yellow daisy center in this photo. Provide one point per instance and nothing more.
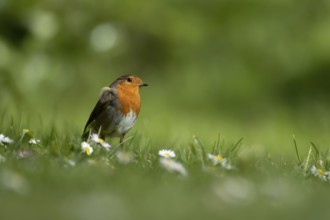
(101, 140)
(88, 150)
(320, 172)
(219, 158)
(167, 154)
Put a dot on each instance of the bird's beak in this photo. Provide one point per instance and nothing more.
(143, 84)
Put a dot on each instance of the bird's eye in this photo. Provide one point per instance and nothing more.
(129, 79)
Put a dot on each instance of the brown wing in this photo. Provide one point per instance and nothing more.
(106, 98)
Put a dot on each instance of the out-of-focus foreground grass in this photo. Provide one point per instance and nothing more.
(54, 179)
(251, 69)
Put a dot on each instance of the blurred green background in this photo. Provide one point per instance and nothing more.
(252, 69)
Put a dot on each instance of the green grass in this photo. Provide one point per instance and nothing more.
(56, 180)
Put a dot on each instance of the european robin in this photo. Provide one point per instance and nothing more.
(117, 109)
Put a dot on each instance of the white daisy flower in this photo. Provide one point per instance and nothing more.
(34, 141)
(322, 174)
(173, 166)
(166, 153)
(106, 145)
(86, 148)
(218, 159)
(5, 140)
(225, 164)
(95, 138)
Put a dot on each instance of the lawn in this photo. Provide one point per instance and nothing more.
(56, 179)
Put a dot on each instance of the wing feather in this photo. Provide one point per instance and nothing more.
(107, 96)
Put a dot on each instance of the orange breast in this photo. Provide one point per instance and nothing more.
(129, 98)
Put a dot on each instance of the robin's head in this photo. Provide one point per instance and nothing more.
(127, 88)
(130, 82)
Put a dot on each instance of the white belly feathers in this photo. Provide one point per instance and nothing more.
(126, 122)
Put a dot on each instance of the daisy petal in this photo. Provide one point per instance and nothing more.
(166, 153)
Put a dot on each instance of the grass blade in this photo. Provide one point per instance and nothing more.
(306, 168)
(316, 150)
(235, 147)
(202, 149)
(297, 152)
(216, 146)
